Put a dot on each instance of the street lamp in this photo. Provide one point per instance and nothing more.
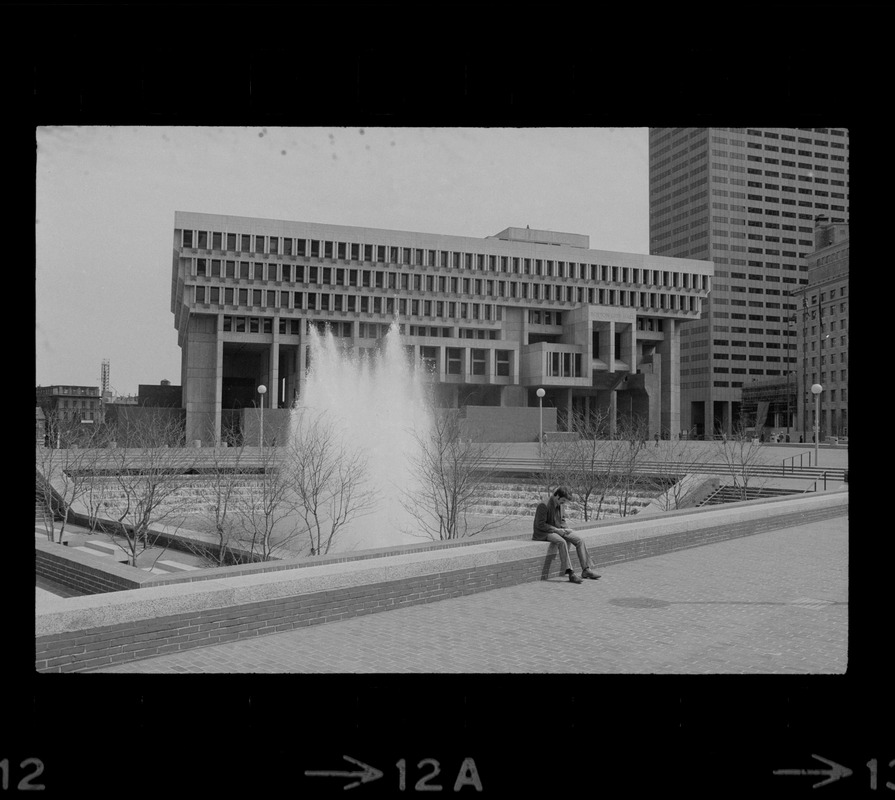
(816, 389)
(261, 390)
(541, 394)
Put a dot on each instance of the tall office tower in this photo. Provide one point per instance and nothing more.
(745, 199)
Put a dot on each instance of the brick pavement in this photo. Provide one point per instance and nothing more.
(769, 603)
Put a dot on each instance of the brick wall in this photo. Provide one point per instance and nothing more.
(76, 571)
(94, 647)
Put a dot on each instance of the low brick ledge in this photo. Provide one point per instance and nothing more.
(81, 633)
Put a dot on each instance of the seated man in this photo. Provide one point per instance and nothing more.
(548, 527)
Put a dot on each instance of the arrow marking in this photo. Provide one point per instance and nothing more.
(366, 774)
(837, 771)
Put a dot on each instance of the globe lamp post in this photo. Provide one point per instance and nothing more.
(261, 390)
(816, 389)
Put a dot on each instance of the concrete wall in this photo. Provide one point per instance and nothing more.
(276, 426)
(506, 424)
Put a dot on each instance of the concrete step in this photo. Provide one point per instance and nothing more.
(104, 548)
(166, 565)
(120, 557)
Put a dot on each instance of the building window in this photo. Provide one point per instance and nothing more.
(503, 363)
(478, 362)
(454, 360)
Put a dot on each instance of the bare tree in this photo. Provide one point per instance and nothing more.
(327, 477)
(148, 482)
(262, 507)
(742, 455)
(585, 457)
(65, 472)
(623, 474)
(674, 460)
(452, 474)
(226, 480)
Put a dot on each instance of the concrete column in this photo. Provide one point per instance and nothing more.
(201, 376)
(613, 412)
(628, 344)
(669, 348)
(219, 386)
(611, 350)
(302, 359)
(273, 390)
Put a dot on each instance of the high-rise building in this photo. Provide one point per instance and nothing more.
(745, 199)
(822, 329)
(493, 319)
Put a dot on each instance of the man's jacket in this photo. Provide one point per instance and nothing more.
(548, 519)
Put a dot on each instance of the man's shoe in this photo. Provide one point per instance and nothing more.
(573, 577)
(589, 573)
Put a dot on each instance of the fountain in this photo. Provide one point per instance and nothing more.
(379, 403)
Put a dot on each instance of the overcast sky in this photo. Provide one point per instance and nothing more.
(106, 198)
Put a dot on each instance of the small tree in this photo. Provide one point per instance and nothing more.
(742, 455)
(675, 459)
(224, 480)
(584, 458)
(623, 467)
(148, 477)
(327, 478)
(452, 473)
(65, 472)
(263, 506)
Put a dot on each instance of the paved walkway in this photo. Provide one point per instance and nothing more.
(770, 603)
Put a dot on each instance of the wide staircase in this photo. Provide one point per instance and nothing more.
(734, 494)
(193, 495)
(42, 513)
(519, 495)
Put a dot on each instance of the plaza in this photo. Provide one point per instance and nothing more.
(716, 589)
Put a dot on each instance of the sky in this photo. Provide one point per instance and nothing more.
(106, 197)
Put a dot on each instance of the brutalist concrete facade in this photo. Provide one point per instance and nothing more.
(493, 319)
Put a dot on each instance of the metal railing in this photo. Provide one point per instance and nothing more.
(799, 456)
(667, 467)
(813, 487)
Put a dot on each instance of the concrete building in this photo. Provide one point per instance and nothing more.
(493, 318)
(822, 327)
(745, 199)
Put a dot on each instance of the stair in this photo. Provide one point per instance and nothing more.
(732, 494)
(516, 496)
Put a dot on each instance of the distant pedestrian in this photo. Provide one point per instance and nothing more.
(657, 439)
(549, 526)
(761, 437)
(787, 438)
